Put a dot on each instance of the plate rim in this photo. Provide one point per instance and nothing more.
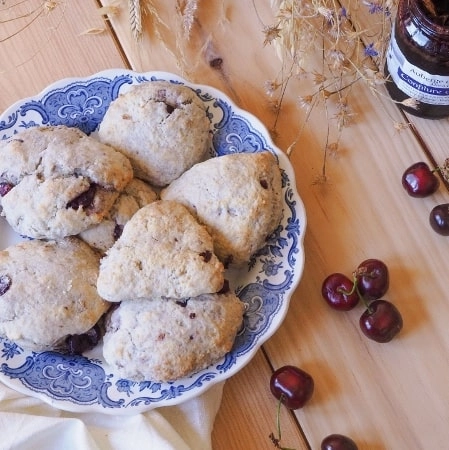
(109, 74)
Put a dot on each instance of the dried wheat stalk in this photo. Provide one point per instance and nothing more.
(188, 13)
(135, 18)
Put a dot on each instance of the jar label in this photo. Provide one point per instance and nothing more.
(415, 82)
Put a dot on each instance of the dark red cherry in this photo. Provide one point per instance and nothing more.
(419, 181)
(373, 279)
(76, 344)
(5, 188)
(338, 442)
(381, 321)
(5, 284)
(338, 291)
(84, 200)
(439, 219)
(118, 230)
(292, 386)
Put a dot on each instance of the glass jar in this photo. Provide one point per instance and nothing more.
(417, 64)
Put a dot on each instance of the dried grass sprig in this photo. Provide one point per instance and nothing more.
(26, 20)
(350, 52)
(28, 17)
(188, 10)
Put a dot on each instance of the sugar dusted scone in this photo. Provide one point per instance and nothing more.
(163, 339)
(48, 291)
(61, 181)
(163, 251)
(162, 127)
(136, 194)
(239, 199)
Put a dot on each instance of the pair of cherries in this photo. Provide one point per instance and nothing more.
(421, 181)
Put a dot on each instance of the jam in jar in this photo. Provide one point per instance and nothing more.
(417, 64)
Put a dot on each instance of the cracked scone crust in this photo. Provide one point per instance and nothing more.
(136, 195)
(238, 197)
(48, 291)
(164, 340)
(163, 251)
(163, 128)
(62, 181)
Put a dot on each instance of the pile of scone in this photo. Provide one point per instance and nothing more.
(136, 227)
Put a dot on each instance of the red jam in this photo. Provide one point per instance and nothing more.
(418, 57)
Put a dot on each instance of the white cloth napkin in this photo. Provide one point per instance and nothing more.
(28, 423)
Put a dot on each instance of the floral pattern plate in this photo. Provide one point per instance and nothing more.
(86, 383)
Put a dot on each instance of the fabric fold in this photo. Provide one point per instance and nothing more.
(27, 423)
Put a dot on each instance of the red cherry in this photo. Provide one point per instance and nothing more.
(381, 321)
(338, 291)
(5, 188)
(292, 386)
(439, 219)
(373, 279)
(419, 181)
(338, 442)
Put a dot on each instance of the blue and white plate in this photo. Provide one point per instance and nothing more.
(86, 383)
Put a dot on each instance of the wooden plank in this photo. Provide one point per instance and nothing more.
(38, 55)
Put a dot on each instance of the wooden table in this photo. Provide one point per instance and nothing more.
(385, 396)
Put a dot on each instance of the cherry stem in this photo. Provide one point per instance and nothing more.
(277, 440)
(356, 289)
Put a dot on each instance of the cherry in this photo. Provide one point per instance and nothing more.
(439, 219)
(5, 284)
(5, 188)
(381, 321)
(372, 279)
(338, 442)
(338, 291)
(419, 181)
(85, 200)
(76, 344)
(292, 386)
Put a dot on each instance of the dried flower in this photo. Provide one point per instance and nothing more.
(318, 78)
(350, 53)
(271, 33)
(306, 101)
(50, 5)
(399, 126)
(344, 115)
(271, 86)
(370, 50)
(411, 103)
(375, 7)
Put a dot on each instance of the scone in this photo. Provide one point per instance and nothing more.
(61, 181)
(163, 251)
(163, 128)
(48, 291)
(163, 339)
(136, 194)
(237, 196)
